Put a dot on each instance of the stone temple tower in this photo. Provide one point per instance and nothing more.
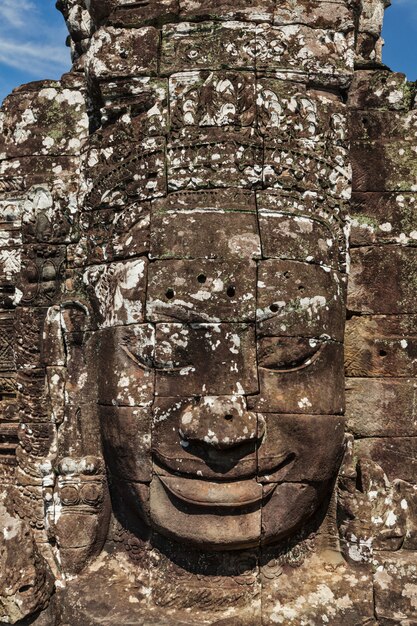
(208, 354)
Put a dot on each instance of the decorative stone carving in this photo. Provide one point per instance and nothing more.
(175, 217)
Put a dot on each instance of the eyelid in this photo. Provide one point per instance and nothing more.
(288, 365)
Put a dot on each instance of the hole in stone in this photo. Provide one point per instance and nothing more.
(286, 274)
(202, 278)
(382, 353)
(228, 417)
(231, 291)
(24, 588)
(123, 54)
(197, 399)
(170, 294)
(300, 287)
(274, 308)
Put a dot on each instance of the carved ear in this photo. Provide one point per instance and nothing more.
(64, 324)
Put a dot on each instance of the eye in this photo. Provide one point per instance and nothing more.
(286, 353)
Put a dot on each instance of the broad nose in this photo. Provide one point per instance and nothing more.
(220, 422)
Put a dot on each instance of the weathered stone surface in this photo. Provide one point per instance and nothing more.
(381, 346)
(201, 291)
(382, 280)
(26, 580)
(288, 452)
(126, 436)
(303, 386)
(174, 231)
(49, 120)
(229, 233)
(291, 110)
(380, 89)
(299, 300)
(395, 587)
(306, 165)
(114, 290)
(127, 372)
(377, 407)
(214, 159)
(212, 99)
(396, 455)
(208, 46)
(193, 360)
(213, 434)
(379, 218)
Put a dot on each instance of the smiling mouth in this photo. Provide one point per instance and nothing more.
(205, 493)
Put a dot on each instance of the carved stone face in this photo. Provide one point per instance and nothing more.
(220, 411)
(221, 313)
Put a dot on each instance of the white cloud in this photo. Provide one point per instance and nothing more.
(30, 40)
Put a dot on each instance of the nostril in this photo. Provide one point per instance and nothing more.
(228, 417)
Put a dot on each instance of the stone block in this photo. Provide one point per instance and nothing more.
(380, 89)
(110, 235)
(227, 10)
(381, 346)
(371, 125)
(127, 15)
(193, 360)
(123, 173)
(297, 238)
(292, 111)
(181, 443)
(395, 583)
(309, 166)
(41, 274)
(315, 385)
(126, 354)
(229, 233)
(214, 159)
(126, 433)
(205, 98)
(300, 448)
(382, 280)
(117, 292)
(381, 217)
(300, 300)
(316, 52)
(377, 407)
(208, 46)
(397, 456)
(301, 502)
(384, 166)
(138, 106)
(50, 120)
(201, 291)
(325, 14)
(118, 53)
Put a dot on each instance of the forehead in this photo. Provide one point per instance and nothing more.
(232, 257)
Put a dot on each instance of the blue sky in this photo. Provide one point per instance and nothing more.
(32, 41)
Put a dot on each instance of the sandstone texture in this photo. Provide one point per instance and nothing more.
(208, 280)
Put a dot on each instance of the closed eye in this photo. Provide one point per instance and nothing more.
(287, 353)
(148, 364)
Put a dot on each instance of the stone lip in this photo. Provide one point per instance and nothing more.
(279, 465)
(216, 494)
